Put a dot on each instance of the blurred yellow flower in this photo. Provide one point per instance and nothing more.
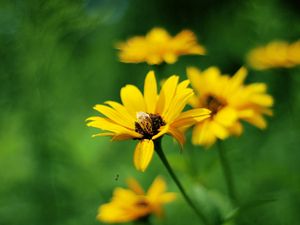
(134, 204)
(276, 54)
(229, 101)
(159, 46)
(147, 117)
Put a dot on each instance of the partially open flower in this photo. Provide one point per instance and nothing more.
(229, 100)
(134, 204)
(158, 47)
(276, 54)
(147, 117)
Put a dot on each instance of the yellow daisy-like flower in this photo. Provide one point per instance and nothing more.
(277, 54)
(147, 117)
(229, 101)
(134, 204)
(159, 46)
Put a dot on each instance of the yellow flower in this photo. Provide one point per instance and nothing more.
(229, 101)
(147, 117)
(276, 54)
(133, 204)
(158, 46)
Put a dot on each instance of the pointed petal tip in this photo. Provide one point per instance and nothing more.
(89, 119)
(242, 73)
(243, 69)
(151, 73)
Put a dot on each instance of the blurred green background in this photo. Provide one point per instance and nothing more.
(57, 60)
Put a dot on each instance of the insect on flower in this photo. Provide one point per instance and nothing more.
(147, 117)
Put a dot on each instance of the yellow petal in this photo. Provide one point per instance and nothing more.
(124, 207)
(179, 101)
(236, 129)
(194, 101)
(178, 104)
(150, 92)
(191, 117)
(257, 121)
(121, 109)
(143, 154)
(239, 76)
(203, 135)
(220, 131)
(199, 50)
(156, 189)
(115, 137)
(257, 87)
(109, 213)
(121, 209)
(132, 99)
(135, 186)
(162, 130)
(245, 113)
(194, 76)
(170, 58)
(212, 76)
(226, 116)
(122, 137)
(263, 100)
(108, 125)
(154, 59)
(268, 112)
(166, 94)
(206, 81)
(178, 135)
(186, 43)
(124, 195)
(159, 35)
(103, 134)
(115, 116)
(168, 197)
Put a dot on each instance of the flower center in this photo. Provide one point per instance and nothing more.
(148, 124)
(142, 203)
(214, 104)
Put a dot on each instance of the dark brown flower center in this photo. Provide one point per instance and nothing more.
(148, 124)
(142, 203)
(214, 104)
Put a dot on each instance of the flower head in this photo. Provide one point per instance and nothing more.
(148, 116)
(276, 54)
(133, 204)
(158, 46)
(229, 101)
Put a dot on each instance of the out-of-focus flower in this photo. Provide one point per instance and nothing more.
(276, 54)
(229, 101)
(134, 204)
(159, 46)
(147, 117)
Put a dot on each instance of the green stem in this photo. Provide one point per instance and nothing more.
(143, 221)
(164, 160)
(227, 172)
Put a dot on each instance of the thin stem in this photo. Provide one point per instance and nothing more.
(164, 160)
(227, 172)
(143, 221)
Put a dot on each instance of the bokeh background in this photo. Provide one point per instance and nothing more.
(57, 60)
